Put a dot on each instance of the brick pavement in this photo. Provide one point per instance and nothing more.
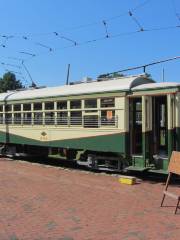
(40, 203)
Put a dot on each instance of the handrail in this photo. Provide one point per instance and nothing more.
(69, 121)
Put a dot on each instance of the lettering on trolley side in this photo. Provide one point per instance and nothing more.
(44, 136)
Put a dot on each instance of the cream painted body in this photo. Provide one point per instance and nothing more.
(146, 113)
(171, 111)
(56, 133)
(177, 110)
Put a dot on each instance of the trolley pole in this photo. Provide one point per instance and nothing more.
(67, 79)
(163, 74)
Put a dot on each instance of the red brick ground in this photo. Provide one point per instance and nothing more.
(39, 203)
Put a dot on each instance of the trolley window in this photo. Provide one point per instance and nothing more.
(38, 118)
(8, 107)
(62, 105)
(138, 116)
(91, 111)
(1, 118)
(27, 117)
(76, 118)
(27, 107)
(107, 102)
(108, 118)
(8, 117)
(17, 107)
(75, 104)
(90, 103)
(62, 118)
(49, 105)
(37, 106)
(91, 121)
(1, 108)
(17, 118)
(49, 118)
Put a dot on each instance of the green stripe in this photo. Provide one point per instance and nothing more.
(105, 143)
(146, 138)
(171, 141)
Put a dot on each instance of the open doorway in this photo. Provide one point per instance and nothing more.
(159, 125)
(135, 121)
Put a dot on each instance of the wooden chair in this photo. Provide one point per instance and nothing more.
(173, 168)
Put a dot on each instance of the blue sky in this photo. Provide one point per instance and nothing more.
(37, 20)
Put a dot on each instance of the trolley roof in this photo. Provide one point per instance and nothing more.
(118, 84)
(152, 86)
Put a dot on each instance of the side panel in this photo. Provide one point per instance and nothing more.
(177, 124)
(146, 128)
(105, 138)
(171, 123)
(107, 141)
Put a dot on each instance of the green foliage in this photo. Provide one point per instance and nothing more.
(9, 82)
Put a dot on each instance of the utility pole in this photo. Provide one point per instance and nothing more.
(67, 79)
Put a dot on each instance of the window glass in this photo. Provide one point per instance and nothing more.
(138, 116)
(17, 107)
(75, 104)
(17, 118)
(1, 108)
(76, 118)
(37, 106)
(91, 111)
(62, 105)
(107, 102)
(38, 118)
(49, 105)
(8, 108)
(90, 103)
(91, 121)
(62, 118)
(8, 117)
(107, 117)
(1, 118)
(27, 117)
(27, 107)
(49, 118)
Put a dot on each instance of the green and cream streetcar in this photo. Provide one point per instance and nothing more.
(124, 123)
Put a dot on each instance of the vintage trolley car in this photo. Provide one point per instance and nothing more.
(125, 123)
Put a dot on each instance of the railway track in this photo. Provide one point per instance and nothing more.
(71, 165)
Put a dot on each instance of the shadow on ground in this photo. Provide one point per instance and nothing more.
(152, 178)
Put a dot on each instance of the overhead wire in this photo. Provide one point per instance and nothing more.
(177, 15)
(11, 65)
(118, 35)
(28, 53)
(45, 46)
(5, 38)
(56, 33)
(65, 38)
(75, 43)
(106, 29)
(136, 21)
(99, 22)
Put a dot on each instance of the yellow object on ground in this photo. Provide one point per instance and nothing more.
(127, 180)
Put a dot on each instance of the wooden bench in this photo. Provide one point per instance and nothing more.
(173, 168)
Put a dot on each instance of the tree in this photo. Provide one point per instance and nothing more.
(9, 82)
